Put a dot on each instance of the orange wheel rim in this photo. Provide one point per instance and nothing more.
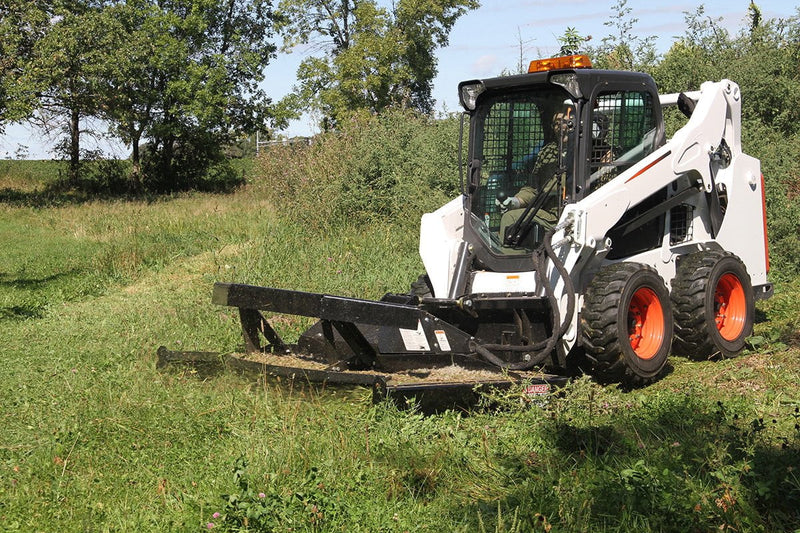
(645, 323)
(730, 307)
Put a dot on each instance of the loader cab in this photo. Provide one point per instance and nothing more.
(548, 138)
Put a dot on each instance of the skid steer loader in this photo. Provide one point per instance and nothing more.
(584, 240)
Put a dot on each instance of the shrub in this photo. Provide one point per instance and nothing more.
(780, 169)
(374, 168)
(196, 162)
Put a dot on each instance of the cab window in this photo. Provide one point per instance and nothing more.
(623, 131)
(521, 154)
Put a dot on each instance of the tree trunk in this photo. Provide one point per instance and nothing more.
(136, 173)
(167, 151)
(74, 146)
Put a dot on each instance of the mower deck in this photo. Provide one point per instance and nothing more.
(429, 389)
(397, 346)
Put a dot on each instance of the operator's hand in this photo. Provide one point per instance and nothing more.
(512, 202)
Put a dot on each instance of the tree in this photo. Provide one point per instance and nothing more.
(182, 74)
(572, 42)
(66, 65)
(623, 49)
(22, 23)
(185, 75)
(133, 87)
(371, 57)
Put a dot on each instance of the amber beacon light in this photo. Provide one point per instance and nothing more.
(560, 63)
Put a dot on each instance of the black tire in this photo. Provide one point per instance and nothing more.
(626, 323)
(422, 288)
(713, 302)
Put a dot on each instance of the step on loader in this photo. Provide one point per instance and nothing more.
(584, 241)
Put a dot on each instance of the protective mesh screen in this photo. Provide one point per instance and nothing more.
(512, 137)
(623, 125)
(680, 225)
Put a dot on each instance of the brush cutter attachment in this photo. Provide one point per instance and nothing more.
(397, 346)
(351, 332)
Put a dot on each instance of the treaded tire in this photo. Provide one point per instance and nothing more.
(422, 288)
(626, 323)
(713, 302)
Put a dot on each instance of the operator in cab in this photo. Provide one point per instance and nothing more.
(547, 179)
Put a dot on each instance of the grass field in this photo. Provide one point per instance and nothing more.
(94, 438)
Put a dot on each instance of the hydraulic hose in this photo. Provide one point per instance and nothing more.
(568, 285)
(543, 348)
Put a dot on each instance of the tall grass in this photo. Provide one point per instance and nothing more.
(384, 170)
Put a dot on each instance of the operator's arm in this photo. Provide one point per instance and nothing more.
(546, 165)
(526, 195)
(543, 170)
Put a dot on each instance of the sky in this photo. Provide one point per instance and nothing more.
(484, 43)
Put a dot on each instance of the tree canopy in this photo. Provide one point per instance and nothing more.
(22, 23)
(185, 76)
(370, 57)
(182, 74)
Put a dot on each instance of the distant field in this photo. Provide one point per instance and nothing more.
(96, 439)
(29, 175)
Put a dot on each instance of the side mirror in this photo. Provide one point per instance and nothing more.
(686, 105)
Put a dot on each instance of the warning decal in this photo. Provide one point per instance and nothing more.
(441, 338)
(414, 339)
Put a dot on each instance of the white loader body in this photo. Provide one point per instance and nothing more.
(580, 239)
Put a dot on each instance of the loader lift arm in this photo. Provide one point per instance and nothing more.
(702, 159)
